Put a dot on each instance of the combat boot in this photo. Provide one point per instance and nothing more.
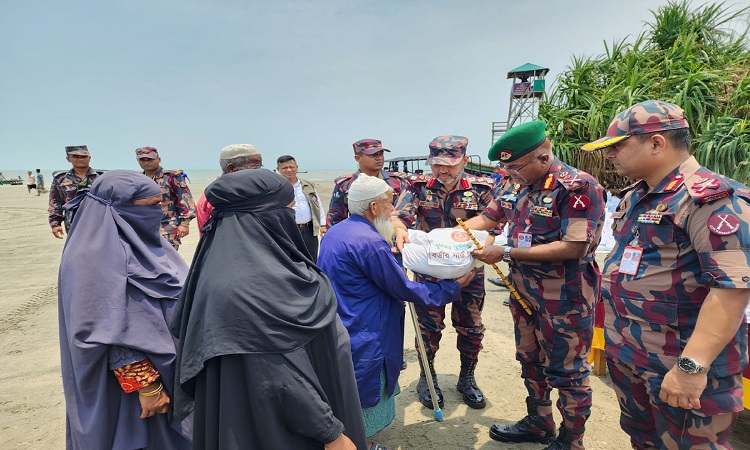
(567, 439)
(537, 426)
(423, 389)
(467, 385)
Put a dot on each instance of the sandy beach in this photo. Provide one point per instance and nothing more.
(32, 409)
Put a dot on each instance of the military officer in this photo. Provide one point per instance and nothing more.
(177, 201)
(369, 154)
(436, 201)
(65, 187)
(675, 285)
(555, 215)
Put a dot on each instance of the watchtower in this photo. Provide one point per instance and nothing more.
(528, 88)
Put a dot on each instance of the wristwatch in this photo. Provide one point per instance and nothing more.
(506, 255)
(689, 365)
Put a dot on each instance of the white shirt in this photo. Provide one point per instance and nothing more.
(302, 210)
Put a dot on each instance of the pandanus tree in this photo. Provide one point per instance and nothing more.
(697, 58)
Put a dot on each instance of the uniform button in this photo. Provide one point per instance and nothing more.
(745, 279)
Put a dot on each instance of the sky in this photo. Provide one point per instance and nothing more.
(306, 78)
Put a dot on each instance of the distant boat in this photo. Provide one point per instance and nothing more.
(413, 165)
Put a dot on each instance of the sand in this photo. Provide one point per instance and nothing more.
(32, 409)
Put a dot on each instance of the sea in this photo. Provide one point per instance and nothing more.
(203, 176)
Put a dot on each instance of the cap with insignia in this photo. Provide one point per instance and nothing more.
(146, 153)
(646, 117)
(77, 150)
(447, 150)
(368, 147)
(518, 141)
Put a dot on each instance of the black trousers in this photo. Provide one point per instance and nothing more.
(310, 241)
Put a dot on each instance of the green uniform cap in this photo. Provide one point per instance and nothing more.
(518, 141)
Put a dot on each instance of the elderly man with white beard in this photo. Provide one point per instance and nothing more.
(371, 288)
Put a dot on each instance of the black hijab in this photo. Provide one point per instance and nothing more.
(252, 287)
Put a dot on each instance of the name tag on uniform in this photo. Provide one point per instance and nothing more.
(506, 205)
(631, 260)
(618, 214)
(524, 240)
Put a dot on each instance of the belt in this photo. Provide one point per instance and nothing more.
(304, 225)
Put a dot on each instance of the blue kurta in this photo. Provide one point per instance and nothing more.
(371, 288)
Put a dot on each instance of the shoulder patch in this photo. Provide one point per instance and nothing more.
(482, 180)
(418, 178)
(398, 174)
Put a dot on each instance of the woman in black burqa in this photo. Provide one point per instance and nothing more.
(263, 359)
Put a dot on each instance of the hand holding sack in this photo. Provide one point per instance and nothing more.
(442, 253)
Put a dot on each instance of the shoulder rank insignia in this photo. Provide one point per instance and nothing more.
(549, 181)
(675, 183)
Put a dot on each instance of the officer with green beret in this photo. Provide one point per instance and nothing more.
(555, 214)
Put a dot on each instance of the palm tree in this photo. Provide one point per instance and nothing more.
(690, 57)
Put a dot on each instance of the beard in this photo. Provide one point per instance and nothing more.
(384, 227)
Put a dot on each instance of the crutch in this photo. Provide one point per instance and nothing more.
(425, 365)
(510, 287)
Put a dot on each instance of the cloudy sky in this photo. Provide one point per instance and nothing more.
(306, 78)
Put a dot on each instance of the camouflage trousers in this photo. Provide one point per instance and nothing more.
(466, 316)
(553, 352)
(653, 424)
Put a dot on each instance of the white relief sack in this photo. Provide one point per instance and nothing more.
(441, 253)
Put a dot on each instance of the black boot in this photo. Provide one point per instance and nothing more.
(423, 388)
(467, 385)
(567, 439)
(537, 426)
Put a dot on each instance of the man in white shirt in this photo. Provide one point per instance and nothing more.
(308, 210)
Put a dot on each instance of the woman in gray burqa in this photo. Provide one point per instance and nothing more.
(118, 286)
(263, 359)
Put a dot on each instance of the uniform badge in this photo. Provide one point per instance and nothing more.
(622, 206)
(472, 179)
(723, 224)
(547, 200)
(618, 214)
(549, 181)
(505, 155)
(575, 179)
(712, 184)
(563, 175)
(712, 197)
(579, 202)
(506, 205)
(661, 207)
(676, 181)
(649, 217)
(468, 194)
(541, 211)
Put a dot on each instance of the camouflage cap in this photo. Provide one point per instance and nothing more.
(368, 147)
(646, 117)
(77, 150)
(447, 150)
(518, 141)
(146, 153)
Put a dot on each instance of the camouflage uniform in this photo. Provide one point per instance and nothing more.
(425, 205)
(64, 188)
(692, 230)
(177, 203)
(553, 343)
(682, 227)
(338, 210)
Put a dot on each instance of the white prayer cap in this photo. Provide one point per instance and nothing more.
(366, 187)
(237, 150)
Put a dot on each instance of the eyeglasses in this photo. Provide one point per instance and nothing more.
(518, 169)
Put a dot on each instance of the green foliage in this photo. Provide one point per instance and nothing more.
(690, 57)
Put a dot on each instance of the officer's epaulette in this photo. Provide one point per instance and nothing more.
(627, 189)
(482, 180)
(59, 174)
(344, 178)
(706, 187)
(419, 178)
(403, 175)
(175, 172)
(571, 181)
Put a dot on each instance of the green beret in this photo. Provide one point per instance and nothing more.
(518, 141)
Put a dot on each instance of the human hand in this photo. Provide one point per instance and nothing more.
(490, 254)
(341, 443)
(154, 404)
(466, 279)
(402, 237)
(58, 232)
(683, 390)
(323, 230)
(183, 231)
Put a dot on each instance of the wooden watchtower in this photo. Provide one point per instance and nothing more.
(527, 90)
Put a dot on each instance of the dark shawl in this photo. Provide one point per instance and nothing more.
(253, 290)
(118, 285)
